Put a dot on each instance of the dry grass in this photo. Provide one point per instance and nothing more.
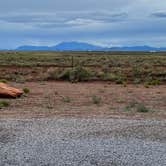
(95, 98)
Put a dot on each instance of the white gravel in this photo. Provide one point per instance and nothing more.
(82, 142)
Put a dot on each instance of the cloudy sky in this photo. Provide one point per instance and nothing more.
(103, 22)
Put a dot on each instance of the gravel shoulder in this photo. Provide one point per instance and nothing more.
(74, 141)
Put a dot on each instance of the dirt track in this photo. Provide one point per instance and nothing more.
(49, 98)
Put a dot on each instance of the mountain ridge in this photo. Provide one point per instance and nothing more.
(82, 46)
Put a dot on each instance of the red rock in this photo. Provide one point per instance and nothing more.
(9, 92)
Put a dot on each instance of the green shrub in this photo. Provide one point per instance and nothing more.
(96, 99)
(146, 85)
(3, 81)
(136, 71)
(26, 90)
(142, 108)
(120, 79)
(66, 99)
(137, 80)
(79, 74)
(100, 74)
(136, 106)
(76, 74)
(106, 76)
(4, 104)
(127, 108)
(154, 82)
(131, 106)
(63, 74)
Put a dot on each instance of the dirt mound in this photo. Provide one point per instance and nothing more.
(9, 92)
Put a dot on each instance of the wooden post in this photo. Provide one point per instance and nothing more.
(72, 62)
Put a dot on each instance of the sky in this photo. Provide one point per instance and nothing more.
(101, 22)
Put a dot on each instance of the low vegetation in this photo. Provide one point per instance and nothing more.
(49, 69)
(66, 99)
(96, 99)
(26, 90)
(3, 81)
(4, 103)
(119, 67)
(76, 74)
(142, 108)
(136, 106)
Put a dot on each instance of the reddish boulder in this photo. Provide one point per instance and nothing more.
(9, 92)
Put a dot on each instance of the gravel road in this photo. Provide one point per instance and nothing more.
(82, 142)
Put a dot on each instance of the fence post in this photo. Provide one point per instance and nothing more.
(72, 62)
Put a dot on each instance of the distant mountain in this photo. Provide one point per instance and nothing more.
(65, 46)
(33, 48)
(80, 46)
(77, 46)
(138, 48)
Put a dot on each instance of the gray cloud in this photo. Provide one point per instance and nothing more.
(57, 19)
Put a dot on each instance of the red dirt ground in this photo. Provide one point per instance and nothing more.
(48, 99)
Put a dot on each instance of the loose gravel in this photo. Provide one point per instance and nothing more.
(82, 142)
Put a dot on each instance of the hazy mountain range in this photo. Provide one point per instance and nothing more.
(80, 46)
